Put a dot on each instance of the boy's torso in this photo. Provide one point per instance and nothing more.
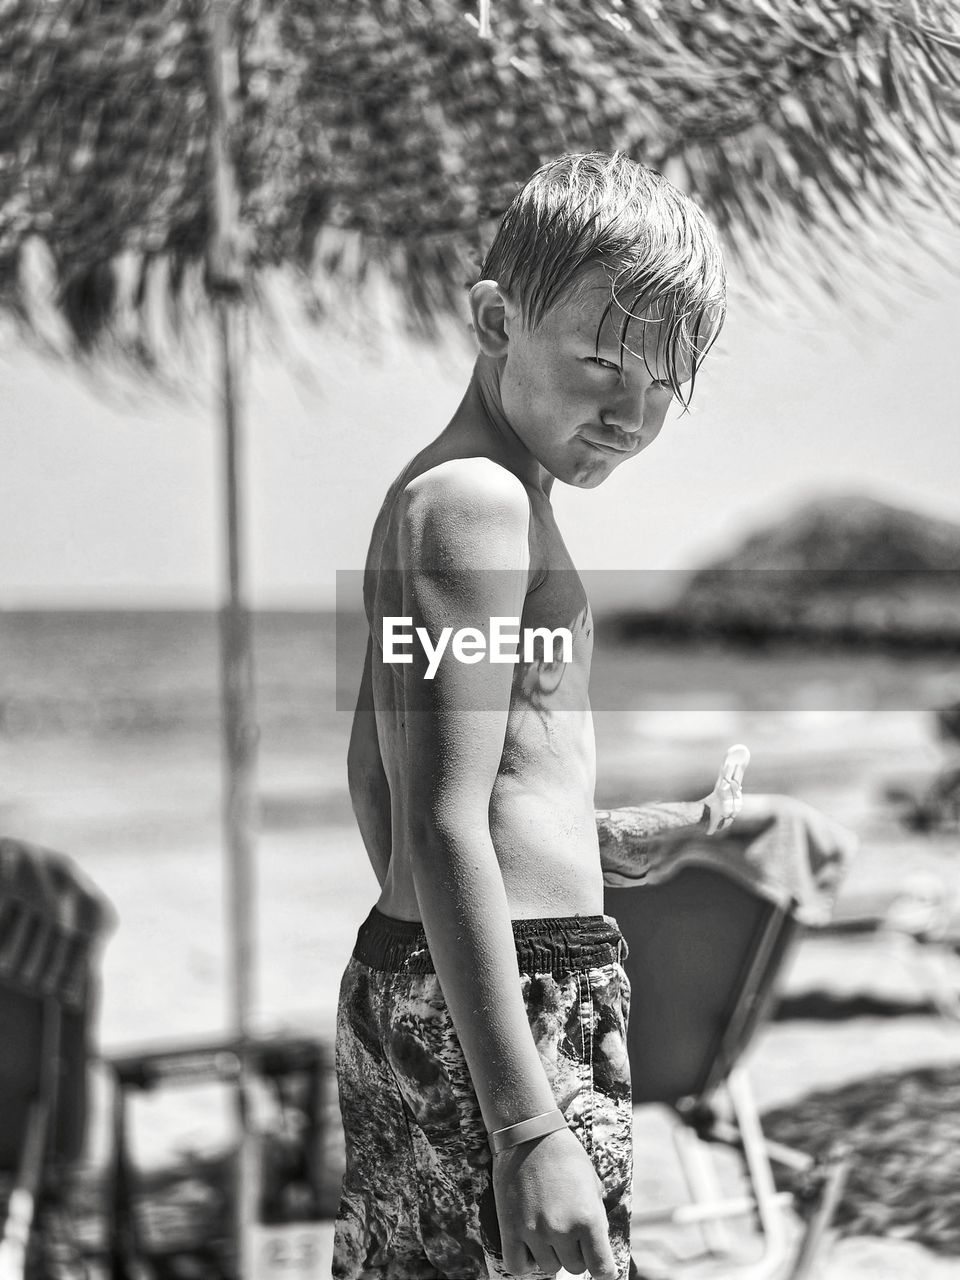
(541, 814)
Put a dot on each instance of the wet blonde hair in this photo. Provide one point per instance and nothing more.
(661, 254)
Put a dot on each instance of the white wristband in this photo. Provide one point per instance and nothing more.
(527, 1130)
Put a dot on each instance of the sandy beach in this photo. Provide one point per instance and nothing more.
(164, 980)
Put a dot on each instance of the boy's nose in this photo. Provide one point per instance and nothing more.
(627, 413)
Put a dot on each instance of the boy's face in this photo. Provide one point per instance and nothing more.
(577, 410)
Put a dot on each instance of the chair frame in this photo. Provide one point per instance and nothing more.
(35, 1150)
(696, 1124)
(52, 922)
(182, 1064)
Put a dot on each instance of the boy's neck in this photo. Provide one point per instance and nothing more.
(480, 423)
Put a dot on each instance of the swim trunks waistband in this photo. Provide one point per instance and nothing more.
(559, 945)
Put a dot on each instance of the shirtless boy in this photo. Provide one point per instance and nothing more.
(481, 1040)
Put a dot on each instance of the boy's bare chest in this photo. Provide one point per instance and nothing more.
(557, 597)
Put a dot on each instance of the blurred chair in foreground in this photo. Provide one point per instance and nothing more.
(708, 938)
(158, 1231)
(52, 921)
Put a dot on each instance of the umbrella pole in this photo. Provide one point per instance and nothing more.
(239, 754)
(226, 278)
(237, 687)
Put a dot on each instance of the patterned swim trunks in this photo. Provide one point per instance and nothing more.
(417, 1200)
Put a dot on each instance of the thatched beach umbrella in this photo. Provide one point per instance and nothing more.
(375, 136)
(153, 154)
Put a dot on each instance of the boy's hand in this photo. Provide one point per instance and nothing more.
(725, 800)
(550, 1208)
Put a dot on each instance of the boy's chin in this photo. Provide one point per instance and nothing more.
(588, 477)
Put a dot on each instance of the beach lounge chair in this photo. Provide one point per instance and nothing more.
(156, 1231)
(707, 942)
(51, 923)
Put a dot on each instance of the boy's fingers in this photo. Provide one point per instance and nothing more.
(598, 1255)
(517, 1258)
(545, 1260)
(572, 1259)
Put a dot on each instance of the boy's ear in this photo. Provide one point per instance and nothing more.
(493, 313)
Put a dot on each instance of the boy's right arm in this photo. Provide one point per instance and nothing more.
(465, 556)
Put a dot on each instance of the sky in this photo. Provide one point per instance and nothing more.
(111, 489)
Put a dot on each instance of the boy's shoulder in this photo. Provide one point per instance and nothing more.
(470, 488)
(464, 507)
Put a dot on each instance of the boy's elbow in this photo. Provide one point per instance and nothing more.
(451, 820)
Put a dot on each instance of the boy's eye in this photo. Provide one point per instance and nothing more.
(604, 364)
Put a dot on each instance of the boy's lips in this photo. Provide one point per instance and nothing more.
(610, 446)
